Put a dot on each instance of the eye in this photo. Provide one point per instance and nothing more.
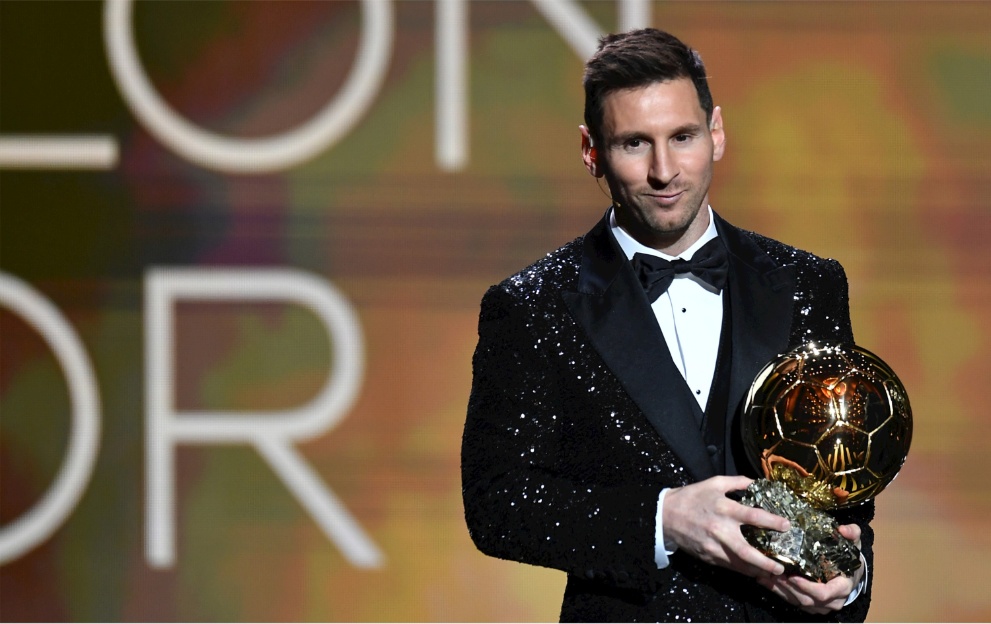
(634, 145)
(682, 138)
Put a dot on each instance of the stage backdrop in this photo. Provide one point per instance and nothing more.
(243, 246)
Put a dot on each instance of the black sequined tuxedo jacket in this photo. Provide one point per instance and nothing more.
(578, 418)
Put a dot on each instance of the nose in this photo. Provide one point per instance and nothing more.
(663, 167)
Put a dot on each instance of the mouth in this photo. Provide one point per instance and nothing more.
(666, 199)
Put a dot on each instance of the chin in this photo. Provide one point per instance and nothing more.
(669, 227)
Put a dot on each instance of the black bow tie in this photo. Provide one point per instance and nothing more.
(709, 264)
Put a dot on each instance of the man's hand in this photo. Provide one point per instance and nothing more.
(703, 522)
(814, 597)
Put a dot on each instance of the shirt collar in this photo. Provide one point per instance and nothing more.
(631, 246)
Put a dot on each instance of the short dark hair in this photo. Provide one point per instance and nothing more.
(638, 58)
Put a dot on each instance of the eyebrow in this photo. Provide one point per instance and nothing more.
(688, 129)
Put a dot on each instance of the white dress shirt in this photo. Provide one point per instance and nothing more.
(690, 313)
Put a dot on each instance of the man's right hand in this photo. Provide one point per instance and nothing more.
(703, 522)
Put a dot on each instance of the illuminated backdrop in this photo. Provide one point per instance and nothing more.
(243, 245)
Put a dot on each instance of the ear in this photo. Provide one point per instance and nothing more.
(718, 134)
(590, 154)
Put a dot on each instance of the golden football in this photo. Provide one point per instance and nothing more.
(835, 418)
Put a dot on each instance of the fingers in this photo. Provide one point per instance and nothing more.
(810, 596)
(729, 484)
(750, 561)
(851, 532)
(742, 513)
(787, 594)
(721, 543)
(759, 518)
(705, 523)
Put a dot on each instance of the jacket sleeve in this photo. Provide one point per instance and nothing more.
(864, 513)
(522, 500)
(831, 324)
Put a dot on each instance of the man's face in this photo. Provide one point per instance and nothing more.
(656, 155)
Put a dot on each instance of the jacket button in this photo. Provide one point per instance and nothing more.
(622, 576)
(590, 574)
(712, 448)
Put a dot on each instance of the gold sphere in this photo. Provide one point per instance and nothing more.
(834, 422)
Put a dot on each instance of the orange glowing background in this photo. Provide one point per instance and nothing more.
(856, 130)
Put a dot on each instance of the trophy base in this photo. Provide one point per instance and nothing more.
(813, 547)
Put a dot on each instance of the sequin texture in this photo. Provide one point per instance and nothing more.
(560, 467)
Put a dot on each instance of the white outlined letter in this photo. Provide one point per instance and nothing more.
(262, 155)
(271, 433)
(38, 523)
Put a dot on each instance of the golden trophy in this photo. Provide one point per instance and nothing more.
(829, 427)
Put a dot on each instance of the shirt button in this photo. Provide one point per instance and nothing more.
(684, 309)
(699, 392)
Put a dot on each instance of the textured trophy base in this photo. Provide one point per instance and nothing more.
(812, 547)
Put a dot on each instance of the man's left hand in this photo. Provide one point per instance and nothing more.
(812, 596)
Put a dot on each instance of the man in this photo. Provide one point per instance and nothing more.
(602, 435)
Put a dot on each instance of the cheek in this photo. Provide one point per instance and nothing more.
(699, 165)
(629, 171)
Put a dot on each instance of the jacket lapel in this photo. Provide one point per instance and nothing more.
(761, 302)
(611, 306)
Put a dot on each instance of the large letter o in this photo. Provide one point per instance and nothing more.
(39, 522)
(262, 155)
